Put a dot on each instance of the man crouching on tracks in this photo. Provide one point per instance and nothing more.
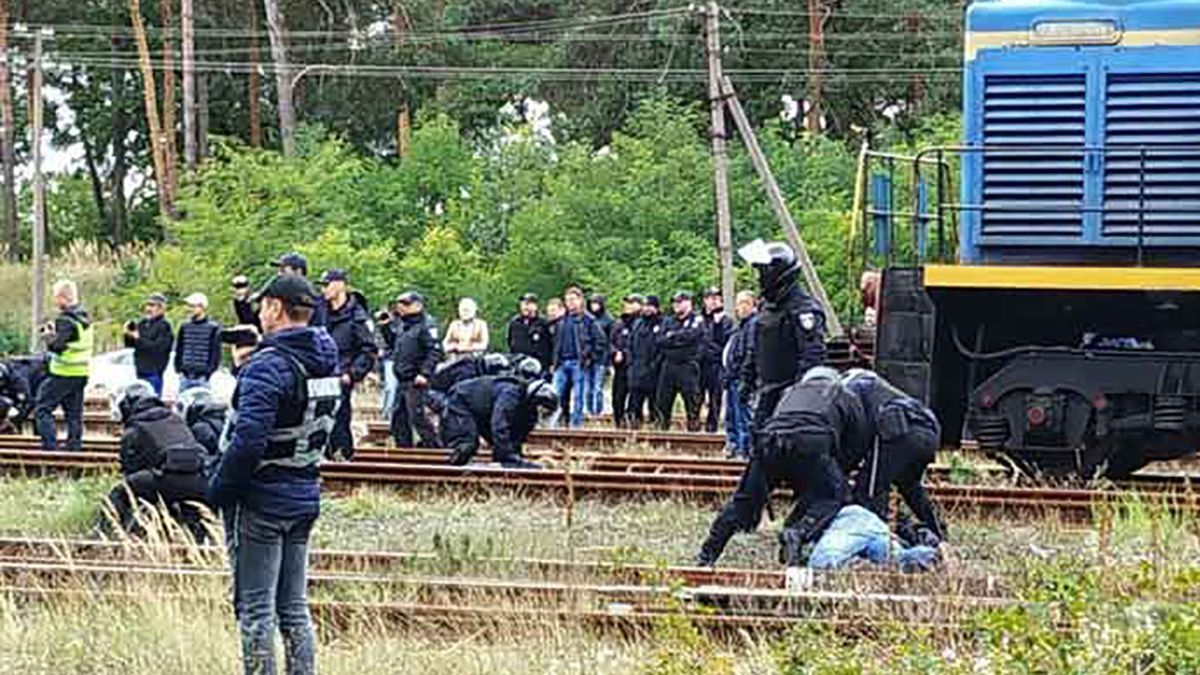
(267, 483)
(814, 422)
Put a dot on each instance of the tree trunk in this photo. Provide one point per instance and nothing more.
(283, 76)
(90, 161)
(255, 87)
(168, 95)
(190, 124)
(7, 140)
(120, 130)
(158, 140)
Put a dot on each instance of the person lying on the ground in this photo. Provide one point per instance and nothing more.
(160, 461)
(856, 533)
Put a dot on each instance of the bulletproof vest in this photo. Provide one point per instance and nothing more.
(304, 444)
(811, 406)
(173, 443)
(880, 396)
(777, 349)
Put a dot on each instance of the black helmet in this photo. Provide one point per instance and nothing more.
(777, 265)
(5, 373)
(495, 363)
(527, 367)
(542, 395)
(192, 399)
(128, 396)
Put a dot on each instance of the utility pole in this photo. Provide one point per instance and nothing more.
(188, 31)
(8, 153)
(256, 132)
(775, 196)
(39, 196)
(816, 65)
(716, 101)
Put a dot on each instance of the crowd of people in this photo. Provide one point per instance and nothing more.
(839, 441)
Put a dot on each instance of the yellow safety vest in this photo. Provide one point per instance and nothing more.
(76, 359)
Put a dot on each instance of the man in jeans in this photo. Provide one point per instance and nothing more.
(574, 351)
(267, 484)
(198, 346)
(737, 413)
(70, 340)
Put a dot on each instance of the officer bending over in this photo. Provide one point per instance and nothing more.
(267, 483)
(205, 417)
(501, 410)
(19, 380)
(160, 460)
(815, 422)
(451, 373)
(904, 438)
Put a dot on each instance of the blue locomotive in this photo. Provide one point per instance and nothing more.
(1055, 313)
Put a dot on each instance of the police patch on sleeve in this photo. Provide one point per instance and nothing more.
(433, 333)
(808, 320)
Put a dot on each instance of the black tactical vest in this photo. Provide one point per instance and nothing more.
(776, 350)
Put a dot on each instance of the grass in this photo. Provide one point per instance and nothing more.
(1097, 598)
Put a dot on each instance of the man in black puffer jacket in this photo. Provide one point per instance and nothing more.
(160, 460)
(348, 323)
(198, 345)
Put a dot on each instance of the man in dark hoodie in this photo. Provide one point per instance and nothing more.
(70, 341)
(160, 460)
(348, 324)
(645, 362)
(151, 340)
(500, 409)
(622, 334)
(267, 483)
(597, 371)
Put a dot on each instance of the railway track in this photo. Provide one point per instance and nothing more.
(1075, 503)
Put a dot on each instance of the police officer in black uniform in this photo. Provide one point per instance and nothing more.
(500, 409)
(789, 334)
(904, 437)
(620, 345)
(19, 381)
(415, 355)
(718, 328)
(681, 342)
(816, 427)
(529, 333)
(645, 363)
(160, 459)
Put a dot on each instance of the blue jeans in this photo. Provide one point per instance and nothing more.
(595, 388)
(390, 384)
(186, 383)
(858, 533)
(571, 373)
(269, 557)
(155, 380)
(737, 421)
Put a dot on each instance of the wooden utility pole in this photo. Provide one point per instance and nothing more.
(816, 66)
(158, 140)
(775, 196)
(8, 152)
(712, 28)
(168, 96)
(190, 123)
(284, 82)
(39, 195)
(255, 110)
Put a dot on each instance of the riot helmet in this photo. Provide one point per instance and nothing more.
(777, 266)
(127, 397)
(494, 363)
(195, 398)
(542, 395)
(819, 374)
(527, 367)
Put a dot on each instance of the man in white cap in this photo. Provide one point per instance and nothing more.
(198, 345)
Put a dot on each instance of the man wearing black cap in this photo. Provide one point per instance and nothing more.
(717, 329)
(622, 336)
(243, 307)
(529, 334)
(151, 339)
(645, 363)
(350, 328)
(267, 483)
(680, 341)
(415, 356)
(296, 264)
